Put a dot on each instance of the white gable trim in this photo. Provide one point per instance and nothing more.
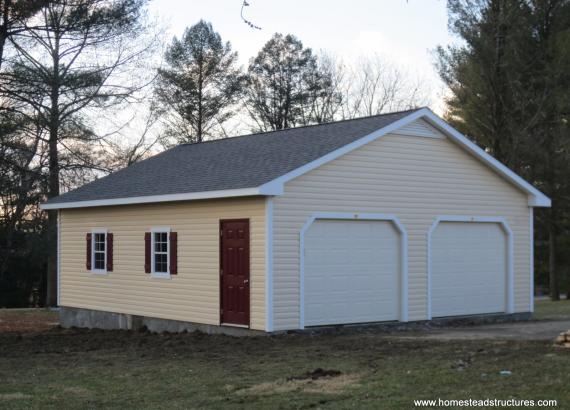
(535, 197)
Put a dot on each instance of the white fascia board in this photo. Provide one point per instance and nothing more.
(539, 201)
(158, 198)
(535, 197)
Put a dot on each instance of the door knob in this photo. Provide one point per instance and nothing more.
(245, 281)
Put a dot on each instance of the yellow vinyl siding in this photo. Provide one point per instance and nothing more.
(193, 294)
(415, 178)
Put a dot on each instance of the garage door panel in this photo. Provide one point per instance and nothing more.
(351, 272)
(468, 269)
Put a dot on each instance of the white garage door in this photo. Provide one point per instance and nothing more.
(468, 269)
(351, 272)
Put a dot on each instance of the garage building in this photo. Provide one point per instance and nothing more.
(395, 217)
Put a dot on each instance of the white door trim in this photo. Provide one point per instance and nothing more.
(356, 216)
(475, 219)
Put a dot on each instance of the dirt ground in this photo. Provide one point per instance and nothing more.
(545, 330)
(354, 368)
(27, 320)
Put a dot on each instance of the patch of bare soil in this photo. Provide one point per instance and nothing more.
(316, 374)
(25, 321)
(316, 381)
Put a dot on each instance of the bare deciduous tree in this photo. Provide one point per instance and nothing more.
(374, 85)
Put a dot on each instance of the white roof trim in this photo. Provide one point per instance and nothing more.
(535, 199)
(157, 198)
(276, 186)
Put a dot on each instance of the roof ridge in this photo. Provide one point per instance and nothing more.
(302, 126)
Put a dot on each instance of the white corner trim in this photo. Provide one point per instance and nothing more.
(531, 254)
(356, 216)
(160, 198)
(93, 270)
(153, 274)
(510, 308)
(269, 264)
(58, 255)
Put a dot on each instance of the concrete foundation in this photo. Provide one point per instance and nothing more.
(96, 319)
(455, 321)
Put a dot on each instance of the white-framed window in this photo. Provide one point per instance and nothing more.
(99, 251)
(160, 252)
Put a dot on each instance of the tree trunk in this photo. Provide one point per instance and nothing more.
(199, 137)
(500, 132)
(51, 285)
(53, 182)
(53, 190)
(554, 286)
(4, 27)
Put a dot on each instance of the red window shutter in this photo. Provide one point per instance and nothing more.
(88, 253)
(173, 253)
(147, 244)
(109, 252)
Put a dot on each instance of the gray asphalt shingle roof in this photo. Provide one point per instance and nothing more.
(242, 162)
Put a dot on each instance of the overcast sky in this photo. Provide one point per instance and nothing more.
(405, 32)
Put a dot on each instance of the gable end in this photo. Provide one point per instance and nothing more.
(419, 128)
(535, 197)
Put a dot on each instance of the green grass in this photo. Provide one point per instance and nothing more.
(548, 310)
(80, 369)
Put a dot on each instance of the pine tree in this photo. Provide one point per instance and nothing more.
(509, 82)
(62, 67)
(200, 85)
(287, 86)
(14, 18)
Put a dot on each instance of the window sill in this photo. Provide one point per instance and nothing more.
(98, 272)
(160, 275)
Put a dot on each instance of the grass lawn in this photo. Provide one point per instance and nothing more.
(82, 369)
(547, 310)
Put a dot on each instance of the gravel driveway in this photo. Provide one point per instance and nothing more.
(532, 331)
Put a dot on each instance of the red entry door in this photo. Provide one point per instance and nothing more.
(234, 271)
